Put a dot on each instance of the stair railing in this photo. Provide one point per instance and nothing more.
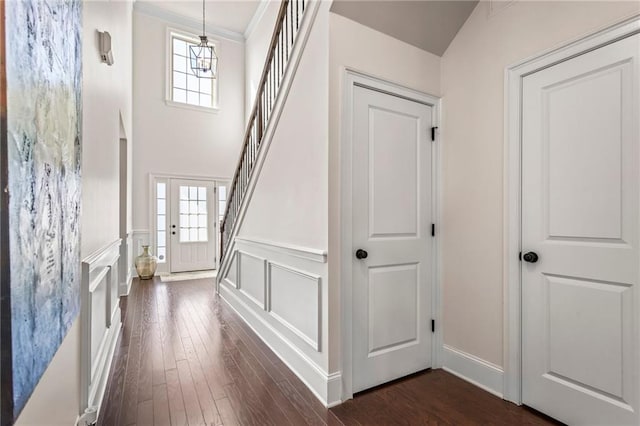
(286, 28)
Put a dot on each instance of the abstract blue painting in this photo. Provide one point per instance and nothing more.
(44, 117)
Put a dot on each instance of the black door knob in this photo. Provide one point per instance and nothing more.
(530, 257)
(361, 254)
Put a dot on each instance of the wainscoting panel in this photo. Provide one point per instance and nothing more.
(280, 292)
(114, 292)
(294, 300)
(100, 322)
(252, 277)
(231, 277)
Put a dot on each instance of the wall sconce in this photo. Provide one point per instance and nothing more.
(105, 47)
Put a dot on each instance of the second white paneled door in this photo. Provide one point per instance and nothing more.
(392, 253)
(192, 230)
(580, 237)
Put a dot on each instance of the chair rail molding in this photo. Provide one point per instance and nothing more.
(317, 255)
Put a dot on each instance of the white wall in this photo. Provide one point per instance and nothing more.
(178, 140)
(360, 48)
(289, 203)
(256, 46)
(56, 399)
(473, 109)
(106, 95)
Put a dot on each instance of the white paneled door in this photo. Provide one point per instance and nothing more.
(392, 252)
(580, 237)
(192, 228)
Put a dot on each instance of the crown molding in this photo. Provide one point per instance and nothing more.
(256, 18)
(150, 9)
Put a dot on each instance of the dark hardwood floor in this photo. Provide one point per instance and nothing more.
(185, 358)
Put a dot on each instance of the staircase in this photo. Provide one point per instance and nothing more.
(287, 26)
(273, 267)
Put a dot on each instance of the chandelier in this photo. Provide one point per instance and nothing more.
(203, 58)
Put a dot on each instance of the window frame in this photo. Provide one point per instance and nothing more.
(192, 38)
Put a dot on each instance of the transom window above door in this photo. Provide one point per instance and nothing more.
(184, 87)
(193, 214)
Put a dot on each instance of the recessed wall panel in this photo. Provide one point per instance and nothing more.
(98, 316)
(252, 278)
(295, 301)
(232, 271)
(113, 305)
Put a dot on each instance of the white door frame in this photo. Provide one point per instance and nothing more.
(351, 79)
(164, 269)
(512, 188)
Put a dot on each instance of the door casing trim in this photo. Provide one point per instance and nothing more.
(350, 80)
(512, 278)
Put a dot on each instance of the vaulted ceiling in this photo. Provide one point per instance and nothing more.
(427, 24)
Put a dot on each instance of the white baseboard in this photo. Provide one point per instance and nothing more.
(326, 387)
(474, 370)
(334, 389)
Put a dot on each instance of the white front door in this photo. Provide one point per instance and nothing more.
(580, 204)
(192, 227)
(392, 223)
